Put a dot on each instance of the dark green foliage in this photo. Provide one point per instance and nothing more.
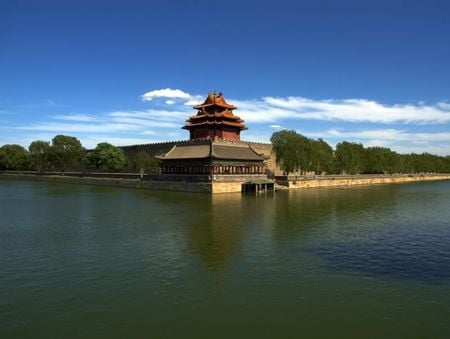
(287, 147)
(350, 157)
(66, 152)
(144, 162)
(295, 152)
(380, 160)
(40, 154)
(14, 157)
(322, 158)
(107, 157)
(304, 153)
(383, 160)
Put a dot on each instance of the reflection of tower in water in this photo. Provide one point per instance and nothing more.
(218, 233)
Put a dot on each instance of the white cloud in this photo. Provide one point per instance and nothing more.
(264, 115)
(77, 117)
(272, 110)
(149, 132)
(160, 115)
(26, 140)
(194, 100)
(443, 150)
(136, 122)
(276, 109)
(90, 141)
(118, 127)
(165, 93)
(112, 122)
(384, 134)
(80, 128)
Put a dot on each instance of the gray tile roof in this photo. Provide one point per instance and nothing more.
(187, 152)
(235, 152)
(218, 151)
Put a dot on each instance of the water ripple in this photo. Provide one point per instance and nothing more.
(416, 256)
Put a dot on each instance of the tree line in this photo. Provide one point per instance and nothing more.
(297, 153)
(294, 153)
(66, 153)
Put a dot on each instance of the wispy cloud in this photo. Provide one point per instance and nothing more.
(194, 100)
(44, 104)
(111, 122)
(91, 141)
(77, 117)
(80, 128)
(270, 110)
(152, 114)
(384, 134)
(351, 120)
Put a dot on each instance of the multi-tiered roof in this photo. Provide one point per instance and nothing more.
(214, 146)
(215, 120)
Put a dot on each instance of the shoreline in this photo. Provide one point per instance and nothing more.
(221, 186)
(200, 187)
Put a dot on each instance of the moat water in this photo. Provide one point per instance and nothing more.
(93, 262)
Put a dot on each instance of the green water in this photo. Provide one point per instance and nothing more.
(91, 262)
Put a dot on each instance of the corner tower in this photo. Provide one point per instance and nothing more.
(215, 120)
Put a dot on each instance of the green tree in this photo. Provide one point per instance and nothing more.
(350, 157)
(322, 157)
(144, 162)
(286, 146)
(397, 163)
(14, 157)
(66, 151)
(40, 153)
(304, 153)
(446, 168)
(379, 160)
(107, 158)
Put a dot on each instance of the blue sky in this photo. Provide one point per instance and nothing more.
(126, 72)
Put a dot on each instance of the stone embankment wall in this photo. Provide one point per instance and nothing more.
(219, 184)
(351, 180)
(181, 186)
(200, 184)
(232, 183)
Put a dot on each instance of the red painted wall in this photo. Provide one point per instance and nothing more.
(203, 133)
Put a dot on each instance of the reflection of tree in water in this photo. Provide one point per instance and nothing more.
(218, 231)
(217, 227)
(301, 211)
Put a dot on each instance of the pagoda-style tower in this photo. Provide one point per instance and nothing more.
(215, 120)
(214, 148)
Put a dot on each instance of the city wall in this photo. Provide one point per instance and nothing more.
(264, 149)
(181, 186)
